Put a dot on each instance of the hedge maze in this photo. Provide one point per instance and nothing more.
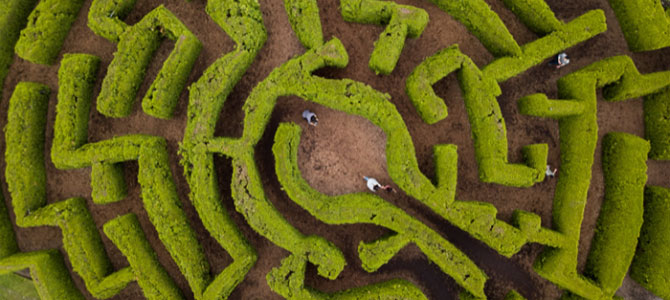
(633, 228)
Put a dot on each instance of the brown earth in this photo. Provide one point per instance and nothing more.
(342, 148)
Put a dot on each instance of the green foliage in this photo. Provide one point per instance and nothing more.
(70, 150)
(620, 220)
(135, 50)
(13, 17)
(514, 295)
(126, 233)
(17, 287)
(304, 18)
(624, 167)
(483, 23)
(535, 14)
(651, 265)
(8, 245)
(105, 18)
(644, 23)
(24, 154)
(401, 21)
(657, 124)
(288, 281)
(419, 88)
(578, 30)
(52, 279)
(368, 208)
(48, 26)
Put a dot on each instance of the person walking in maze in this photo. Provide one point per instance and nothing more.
(549, 172)
(310, 117)
(560, 61)
(374, 185)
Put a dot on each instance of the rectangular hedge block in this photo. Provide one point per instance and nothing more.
(126, 233)
(651, 265)
(13, 17)
(657, 124)
(644, 23)
(48, 26)
(24, 154)
(620, 219)
(105, 17)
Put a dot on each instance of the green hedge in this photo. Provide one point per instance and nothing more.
(243, 21)
(578, 131)
(288, 280)
(13, 17)
(48, 26)
(26, 183)
(535, 14)
(657, 124)
(368, 208)
(159, 195)
(651, 265)
(401, 21)
(620, 219)
(126, 234)
(51, 277)
(105, 18)
(489, 132)
(514, 295)
(305, 21)
(483, 23)
(644, 23)
(8, 245)
(578, 30)
(127, 70)
(24, 154)
(419, 84)
(76, 78)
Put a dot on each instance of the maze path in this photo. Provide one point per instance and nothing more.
(242, 20)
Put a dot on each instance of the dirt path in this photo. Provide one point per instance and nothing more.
(342, 148)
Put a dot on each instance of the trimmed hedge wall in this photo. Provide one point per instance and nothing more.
(576, 31)
(128, 68)
(368, 208)
(578, 131)
(70, 150)
(105, 18)
(644, 23)
(125, 232)
(657, 124)
(304, 18)
(243, 21)
(13, 17)
(288, 280)
(514, 295)
(483, 23)
(8, 245)
(51, 277)
(24, 154)
(535, 14)
(26, 181)
(620, 220)
(402, 21)
(651, 265)
(48, 26)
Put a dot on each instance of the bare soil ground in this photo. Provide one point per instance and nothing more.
(342, 148)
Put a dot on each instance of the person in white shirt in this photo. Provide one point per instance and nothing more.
(374, 185)
(560, 61)
(310, 117)
(549, 172)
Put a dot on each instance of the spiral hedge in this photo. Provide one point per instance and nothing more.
(630, 229)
